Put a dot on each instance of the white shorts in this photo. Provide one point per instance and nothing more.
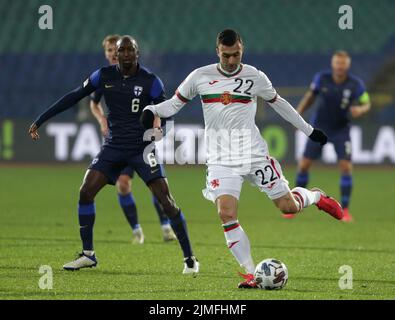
(266, 174)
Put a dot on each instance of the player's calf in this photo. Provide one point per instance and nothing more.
(160, 189)
(86, 194)
(227, 208)
(293, 207)
(290, 208)
(304, 198)
(289, 205)
(168, 204)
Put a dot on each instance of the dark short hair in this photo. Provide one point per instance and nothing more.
(228, 37)
(132, 40)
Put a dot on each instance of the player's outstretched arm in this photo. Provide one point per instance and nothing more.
(286, 111)
(309, 97)
(64, 103)
(306, 102)
(67, 101)
(33, 132)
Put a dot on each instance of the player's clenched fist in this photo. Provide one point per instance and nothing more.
(157, 122)
(33, 132)
(153, 125)
(318, 136)
(357, 111)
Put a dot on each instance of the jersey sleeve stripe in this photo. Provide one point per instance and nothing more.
(183, 99)
(273, 100)
(95, 78)
(157, 88)
(274, 167)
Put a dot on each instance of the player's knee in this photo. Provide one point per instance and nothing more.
(304, 165)
(86, 194)
(226, 213)
(346, 167)
(123, 184)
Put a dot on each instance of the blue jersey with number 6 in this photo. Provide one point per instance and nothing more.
(126, 97)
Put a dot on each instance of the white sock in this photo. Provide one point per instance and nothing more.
(305, 197)
(239, 245)
(89, 253)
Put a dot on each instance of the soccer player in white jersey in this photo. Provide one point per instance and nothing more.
(235, 147)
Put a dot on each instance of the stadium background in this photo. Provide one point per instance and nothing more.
(290, 41)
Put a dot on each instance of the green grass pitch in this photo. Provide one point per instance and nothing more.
(39, 227)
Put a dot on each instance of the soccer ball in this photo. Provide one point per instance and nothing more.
(271, 274)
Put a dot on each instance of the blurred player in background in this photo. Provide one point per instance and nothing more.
(127, 87)
(123, 184)
(228, 91)
(338, 95)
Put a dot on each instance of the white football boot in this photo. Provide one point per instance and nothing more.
(83, 261)
(138, 236)
(168, 233)
(191, 265)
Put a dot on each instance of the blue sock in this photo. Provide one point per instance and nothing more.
(129, 209)
(179, 227)
(159, 210)
(86, 218)
(345, 188)
(302, 179)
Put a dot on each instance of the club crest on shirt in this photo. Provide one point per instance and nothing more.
(214, 183)
(138, 90)
(226, 98)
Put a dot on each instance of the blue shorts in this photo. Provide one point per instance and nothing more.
(129, 171)
(341, 141)
(112, 162)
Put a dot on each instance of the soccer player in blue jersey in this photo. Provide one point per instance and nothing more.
(127, 87)
(338, 96)
(123, 184)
